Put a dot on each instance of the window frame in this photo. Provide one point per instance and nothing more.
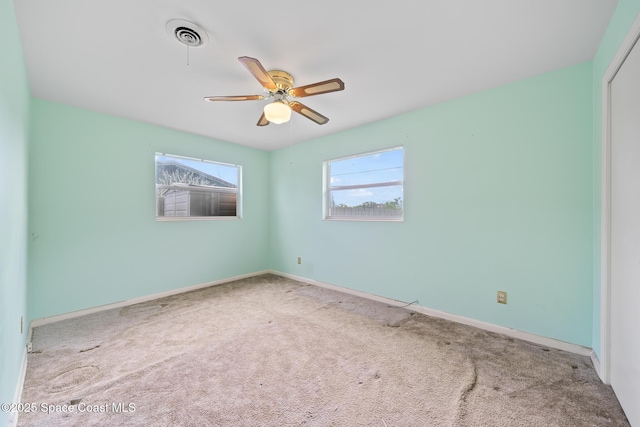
(327, 188)
(238, 191)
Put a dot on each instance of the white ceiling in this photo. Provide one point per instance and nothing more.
(116, 56)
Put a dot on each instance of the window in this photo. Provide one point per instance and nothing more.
(366, 187)
(196, 189)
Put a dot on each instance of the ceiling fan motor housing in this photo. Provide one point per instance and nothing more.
(282, 79)
(279, 84)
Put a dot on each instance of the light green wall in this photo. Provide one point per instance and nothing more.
(92, 213)
(624, 15)
(14, 117)
(498, 196)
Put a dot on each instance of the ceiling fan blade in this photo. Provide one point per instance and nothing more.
(263, 120)
(308, 112)
(326, 86)
(255, 67)
(234, 98)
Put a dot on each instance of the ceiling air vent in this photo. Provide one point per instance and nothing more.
(187, 33)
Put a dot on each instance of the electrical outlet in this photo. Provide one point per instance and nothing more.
(502, 297)
(299, 260)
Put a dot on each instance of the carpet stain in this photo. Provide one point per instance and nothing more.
(72, 378)
(272, 351)
(468, 388)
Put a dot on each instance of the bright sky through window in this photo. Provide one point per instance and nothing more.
(365, 187)
(228, 173)
(385, 166)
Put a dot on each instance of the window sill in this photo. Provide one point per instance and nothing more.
(364, 219)
(196, 218)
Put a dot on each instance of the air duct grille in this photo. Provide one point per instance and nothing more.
(188, 36)
(187, 33)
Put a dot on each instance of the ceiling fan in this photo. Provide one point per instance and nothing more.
(279, 86)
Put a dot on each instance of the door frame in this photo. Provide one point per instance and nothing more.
(633, 35)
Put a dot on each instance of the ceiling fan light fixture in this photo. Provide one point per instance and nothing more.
(277, 112)
(278, 85)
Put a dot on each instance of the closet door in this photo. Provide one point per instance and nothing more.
(625, 235)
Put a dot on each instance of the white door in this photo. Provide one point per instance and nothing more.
(625, 235)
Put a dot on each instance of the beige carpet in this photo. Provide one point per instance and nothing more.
(269, 351)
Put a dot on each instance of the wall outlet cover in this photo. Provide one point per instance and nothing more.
(502, 297)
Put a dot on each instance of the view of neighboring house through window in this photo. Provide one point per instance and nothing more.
(193, 188)
(365, 187)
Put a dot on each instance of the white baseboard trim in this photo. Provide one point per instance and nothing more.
(17, 396)
(526, 336)
(514, 333)
(596, 364)
(78, 313)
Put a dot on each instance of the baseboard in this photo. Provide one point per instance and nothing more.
(79, 313)
(17, 396)
(514, 333)
(596, 364)
(526, 336)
